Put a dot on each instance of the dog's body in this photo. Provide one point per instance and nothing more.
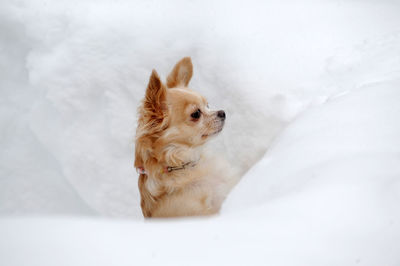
(177, 178)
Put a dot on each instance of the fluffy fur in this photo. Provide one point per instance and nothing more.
(173, 126)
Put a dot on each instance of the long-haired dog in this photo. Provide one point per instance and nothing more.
(177, 178)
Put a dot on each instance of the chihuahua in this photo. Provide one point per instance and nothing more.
(176, 176)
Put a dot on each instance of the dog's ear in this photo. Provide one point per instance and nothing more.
(155, 100)
(152, 118)
(181, 74)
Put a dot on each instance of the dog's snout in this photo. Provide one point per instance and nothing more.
(221, 114)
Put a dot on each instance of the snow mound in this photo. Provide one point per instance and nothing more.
(326, 193)
(351, 141)
(73, 73)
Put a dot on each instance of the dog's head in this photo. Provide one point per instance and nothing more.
(173, 120)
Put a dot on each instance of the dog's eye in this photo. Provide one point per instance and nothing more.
(196, 115)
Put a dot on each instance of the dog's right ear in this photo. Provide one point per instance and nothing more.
(155, 100)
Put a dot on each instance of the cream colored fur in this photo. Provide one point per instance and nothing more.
(174, 125)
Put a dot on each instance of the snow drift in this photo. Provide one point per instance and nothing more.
(337, 204)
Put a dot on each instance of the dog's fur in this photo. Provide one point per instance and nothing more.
(169, 134)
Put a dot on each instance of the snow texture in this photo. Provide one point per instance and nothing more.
(311, 90)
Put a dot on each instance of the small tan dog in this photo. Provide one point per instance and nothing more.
(177, 178)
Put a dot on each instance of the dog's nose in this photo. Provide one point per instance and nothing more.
(221, 114)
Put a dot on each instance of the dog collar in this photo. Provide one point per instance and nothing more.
(168, 169)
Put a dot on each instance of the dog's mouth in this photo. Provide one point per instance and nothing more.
(212, 134)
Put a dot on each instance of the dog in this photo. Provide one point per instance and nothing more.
(177, 177)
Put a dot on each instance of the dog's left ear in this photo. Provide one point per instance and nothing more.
(181, 74)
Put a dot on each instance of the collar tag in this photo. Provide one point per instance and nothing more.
(141, 171)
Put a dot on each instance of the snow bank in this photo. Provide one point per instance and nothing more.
(332, 179)
(73, 73)
(326, 193)
(351, 141)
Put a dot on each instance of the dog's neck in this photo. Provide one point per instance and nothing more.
(177, 157)
(169, 169)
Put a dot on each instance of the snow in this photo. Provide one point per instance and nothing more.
(311, 90)
(351, 140)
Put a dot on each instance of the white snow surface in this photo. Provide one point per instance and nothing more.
(311, 90)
